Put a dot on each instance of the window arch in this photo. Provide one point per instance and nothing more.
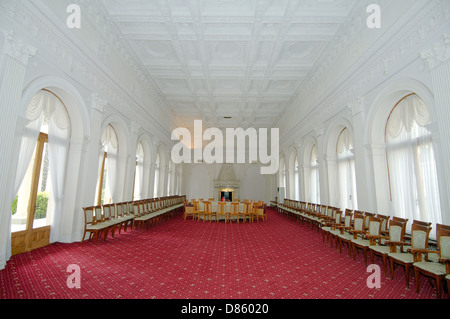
(413, 184)
(314, 176)
(346, 171)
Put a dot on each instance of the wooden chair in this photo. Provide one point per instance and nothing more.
(197, 211)
(368, 237)
(419, 240)
(438, 269)
(222, 211)
(261, 212)
(234, 211)
(90, 224)
(396, 233)
(330, 225)
(348, 233)
(336, 229)
(188, 210)
(247, 213)
(207, 213)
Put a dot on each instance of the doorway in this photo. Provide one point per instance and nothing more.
(32, 207)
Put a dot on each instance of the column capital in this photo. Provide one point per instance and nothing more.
(16, 49)
(438, 53)
(98, 103)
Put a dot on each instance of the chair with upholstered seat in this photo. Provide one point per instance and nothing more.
(261, 212)
(90, 224)
(434, 263)
(348, 233)
(330, 225)
(396, 233)
(420, 233)
(368, 238)
(222, 211)
(337, 229)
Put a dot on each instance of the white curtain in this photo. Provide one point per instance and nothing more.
(315, 184)
(156, 185)
(110, 144)
(412, 165)
(58, 145)
(296, 180)
(139, 174)
(346, 171)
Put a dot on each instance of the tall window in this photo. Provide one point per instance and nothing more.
(412, 166)
(314, 176)
(346, 171)
(139, 172)
(296, 180)
(108, 167)
(157, 168)
(41, 171)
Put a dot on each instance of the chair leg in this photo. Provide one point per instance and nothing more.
(417, 278)
(407, 275)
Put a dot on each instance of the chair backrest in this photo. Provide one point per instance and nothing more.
(358, 221)
(234, 207)
(420, 232)
(89, 216)
(348, 218)
(443, 240)
(337, 217)
(207, 206)
(397, 230)
(247, 207)
(119, 210)
(98, 214)
(375, 226)
(222, 207)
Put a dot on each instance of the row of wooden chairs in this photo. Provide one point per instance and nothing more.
(249, 211)
(103, 219)
(381, 236)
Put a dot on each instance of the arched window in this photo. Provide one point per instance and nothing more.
(346, 171)
(139, 172)
(411, 162)
(41, 172)
(156, 185)
(106, 184)
(314, 176)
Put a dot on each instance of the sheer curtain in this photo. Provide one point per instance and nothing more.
(346, 171)
(296, 180)
(139, 174)
(412, 165)
(58, 145)
(111, 147)
(315, 184)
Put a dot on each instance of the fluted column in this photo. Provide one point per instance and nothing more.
(437, 60)
(14, 58)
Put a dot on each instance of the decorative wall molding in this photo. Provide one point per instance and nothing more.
(17, 49)
(438, 54)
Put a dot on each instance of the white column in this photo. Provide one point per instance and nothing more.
(437, 60)
(13, 65)
(323, 168)
(90, 166)
(364, 185)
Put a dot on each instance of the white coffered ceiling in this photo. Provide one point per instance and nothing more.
(245, 59)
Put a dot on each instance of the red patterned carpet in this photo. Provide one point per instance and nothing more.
(179, 259)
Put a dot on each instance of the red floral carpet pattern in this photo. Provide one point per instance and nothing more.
(178, 259)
